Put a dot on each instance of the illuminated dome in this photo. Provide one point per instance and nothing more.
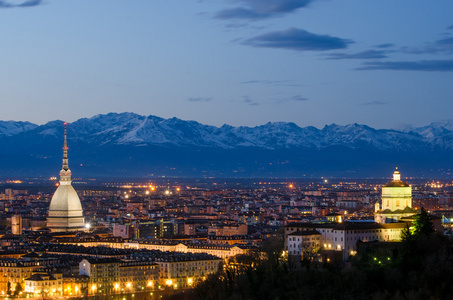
(396, 182)
(65, 199)
(65, 210)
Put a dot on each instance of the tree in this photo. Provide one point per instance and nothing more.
(423, 225)
(18, 289)
(407, 236)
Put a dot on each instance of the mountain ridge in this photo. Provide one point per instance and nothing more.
(104, 141)
(130, 128)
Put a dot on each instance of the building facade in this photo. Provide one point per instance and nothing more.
(344, 237)
(44, 285)
(396, 201)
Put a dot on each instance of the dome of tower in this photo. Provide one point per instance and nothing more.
(65, 198)
(396, 183)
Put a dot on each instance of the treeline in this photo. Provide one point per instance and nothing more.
(420, 267)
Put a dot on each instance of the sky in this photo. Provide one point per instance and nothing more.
(382, 63)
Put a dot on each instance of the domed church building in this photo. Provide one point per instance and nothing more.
(65, 210)
(396, 201)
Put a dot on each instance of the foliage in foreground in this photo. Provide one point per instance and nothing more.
(422, 270)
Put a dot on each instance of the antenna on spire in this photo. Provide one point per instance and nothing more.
(65, 150)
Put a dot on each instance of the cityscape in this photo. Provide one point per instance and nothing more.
(226, 150)
(155, 239)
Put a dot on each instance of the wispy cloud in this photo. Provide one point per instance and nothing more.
(248, 101)
(445, 44)
(296, 98)
(422, 65)
(199, 99)
(388, 45)
(369, 54)
(270, 82)
(261, 9)
(298, 40)
(27, 3)
(375, 103)
(442, 46)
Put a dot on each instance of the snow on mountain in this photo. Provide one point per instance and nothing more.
(137, 130)
(10, 128)
(432, 130)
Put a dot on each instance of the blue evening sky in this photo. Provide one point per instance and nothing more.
(240, 62)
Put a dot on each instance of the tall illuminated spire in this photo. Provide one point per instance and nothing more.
(65, 150)
(65, 209)
(65, 173)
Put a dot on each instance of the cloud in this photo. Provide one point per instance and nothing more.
(263, 82)
(261, 9)
(422, 65)
(271, 83)
(375, 103)
(369, 54)
(239, 13)
(27, 3)
(249, 101)
(450, 27)
(443, 46)
(388, 45)
(199, 99)
(298, 40)
(298, 98)
(235, 25)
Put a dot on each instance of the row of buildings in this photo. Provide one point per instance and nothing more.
(67, 270)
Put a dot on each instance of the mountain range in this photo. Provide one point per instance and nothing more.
(132, 145)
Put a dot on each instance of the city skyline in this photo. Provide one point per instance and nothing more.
(242, 63)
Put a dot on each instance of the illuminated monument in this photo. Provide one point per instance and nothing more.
(65, 210)
(396, 201)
